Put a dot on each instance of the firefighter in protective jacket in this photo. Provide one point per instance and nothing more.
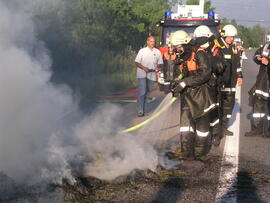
(260, 93)
(231, 76)
(195, 95)
(217, 64)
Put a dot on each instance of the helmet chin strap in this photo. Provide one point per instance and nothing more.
(225, 43)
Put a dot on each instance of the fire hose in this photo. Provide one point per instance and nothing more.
(136, 127)
(123, 100)
(98, 161)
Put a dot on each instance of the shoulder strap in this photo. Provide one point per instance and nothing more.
(168, 56)
(218, 44)
(192, 63)
(234, 49)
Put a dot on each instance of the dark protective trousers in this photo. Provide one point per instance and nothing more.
(215, 122)
(259, 114)
(227, 105)
(216, 116)
(195, 133)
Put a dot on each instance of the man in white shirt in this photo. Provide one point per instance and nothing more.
(148, 61)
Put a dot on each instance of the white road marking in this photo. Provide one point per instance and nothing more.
(226, 191)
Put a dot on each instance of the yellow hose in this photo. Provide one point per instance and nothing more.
(136, 127)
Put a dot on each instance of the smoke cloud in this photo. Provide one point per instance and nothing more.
(43, 135)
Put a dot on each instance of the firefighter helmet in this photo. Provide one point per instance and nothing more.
(229, 31)
(266, 50)
(202, 31)
(179, 37)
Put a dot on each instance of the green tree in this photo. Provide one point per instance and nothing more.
(117, 23)
(207, 4)
(256, 35)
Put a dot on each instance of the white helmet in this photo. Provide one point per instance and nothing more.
(237, 41)
(229, 31)
(202, 31)
(179, 37)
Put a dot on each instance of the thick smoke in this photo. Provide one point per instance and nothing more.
(114, 154)
(43, 136)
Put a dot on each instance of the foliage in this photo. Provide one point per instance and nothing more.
(207, 4)
(116, 24)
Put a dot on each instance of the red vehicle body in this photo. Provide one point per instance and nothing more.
(187, 18)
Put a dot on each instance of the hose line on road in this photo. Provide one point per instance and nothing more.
(124, 101)
(136, 127)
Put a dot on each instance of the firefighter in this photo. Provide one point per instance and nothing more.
(195, 96)
(231, 76)
(239, 46)
(169, 68)
(217, 64)
(260, 92)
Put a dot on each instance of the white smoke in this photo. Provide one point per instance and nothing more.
(113, 154)
(42, 133)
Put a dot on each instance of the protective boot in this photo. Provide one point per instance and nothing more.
(216, 139)
(256, 128)
(202, 146)
(187, 146)
(267, 133)
(216, 134)
(225, 131)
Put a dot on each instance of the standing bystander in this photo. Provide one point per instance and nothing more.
(148, 61)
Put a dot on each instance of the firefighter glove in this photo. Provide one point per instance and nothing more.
(177, 86)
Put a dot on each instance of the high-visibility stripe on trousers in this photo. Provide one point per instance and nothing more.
(260, 92)
(195, 133)
(258, 115)
(214, 123)
(227, 104)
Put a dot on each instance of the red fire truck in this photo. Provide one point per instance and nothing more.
(187, 18)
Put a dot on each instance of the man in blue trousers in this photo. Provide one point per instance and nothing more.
(148, 61)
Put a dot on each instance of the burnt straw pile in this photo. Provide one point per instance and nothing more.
(139, 185)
